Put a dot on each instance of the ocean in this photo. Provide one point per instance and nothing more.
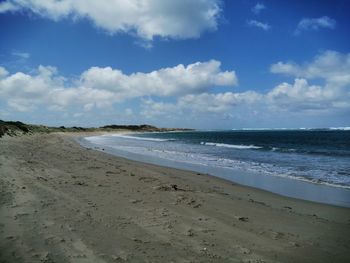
(320, 157)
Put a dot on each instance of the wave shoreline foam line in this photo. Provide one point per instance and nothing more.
(231, 145)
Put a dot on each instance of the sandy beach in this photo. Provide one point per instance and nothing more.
(61, 202)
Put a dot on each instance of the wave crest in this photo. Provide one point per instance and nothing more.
(141, 138)
(231, 145)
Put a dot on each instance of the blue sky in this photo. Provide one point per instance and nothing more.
(200, 64)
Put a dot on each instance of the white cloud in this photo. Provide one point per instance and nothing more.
(194, 78)
(330, 65)
(3, 72)
(8, 7)
(216, 103)
(102, 87)
(301, 96)
(204, 103)
(321, 86)
(24, 92)
(178, 19)
(314, 24)
(258, 24)
(21, 55)
(258, 8)
(297, 97)
(151, 109)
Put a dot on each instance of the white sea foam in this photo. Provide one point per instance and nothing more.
(212, 156)
(231, 145)
(141, 138)
(340, 128)
(212, 161)
(197, 158)
(293, 129)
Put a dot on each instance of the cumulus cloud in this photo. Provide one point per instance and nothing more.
(180, 19)
(204, 103)
(8, 7)
(258, 8)
(25, 92)
(299, 96)
(329, 65)
(216, 103)
(101, 87)
(314, 24)
(3, 72)
(182, 92)
(258, 24)
(194, 78)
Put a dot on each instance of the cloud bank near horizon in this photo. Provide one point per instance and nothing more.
(103, 87)
(192, 91)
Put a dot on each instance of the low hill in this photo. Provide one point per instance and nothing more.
(15, 128)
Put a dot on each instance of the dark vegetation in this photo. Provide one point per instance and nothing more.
(15, 128)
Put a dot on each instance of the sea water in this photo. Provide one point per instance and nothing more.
(320, 157)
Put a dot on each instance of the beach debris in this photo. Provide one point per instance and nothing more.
(163, 188)
(135, 201)
(193, 202)
(120, 257)
(243, 250)
(257, 202)
(114, 257)
(41, 178)
(148, 179)
(276, 235)
(197, 205)
(164, 212)
(70, 228)
(136, 240)
(43, 257)
(207, 230)
(294, 244)
(80, 183)
(242, 218)
(94, 167)
(170, 187)
(190, 233)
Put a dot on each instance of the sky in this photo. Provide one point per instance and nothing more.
(205, 64)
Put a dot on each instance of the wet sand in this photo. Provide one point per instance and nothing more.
(61, 202)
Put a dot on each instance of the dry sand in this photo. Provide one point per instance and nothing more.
(63, 203)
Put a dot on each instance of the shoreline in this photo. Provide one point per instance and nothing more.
(285, 186)
(64, 203)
